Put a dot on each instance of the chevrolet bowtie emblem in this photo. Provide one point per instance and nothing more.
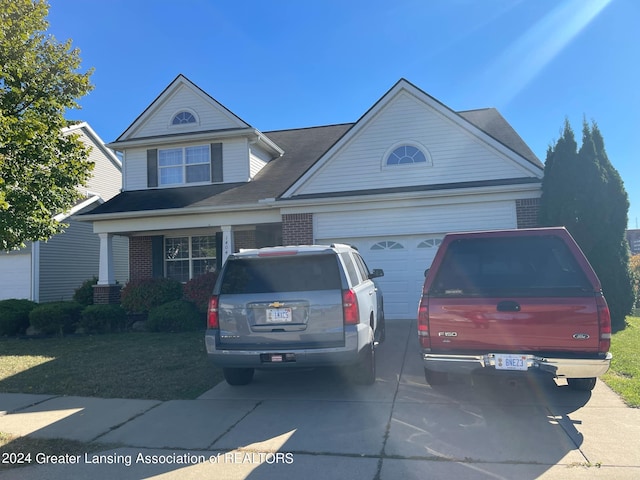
(276, 304)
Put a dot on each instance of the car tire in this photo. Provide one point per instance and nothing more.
(381, 331)
(364, 372)
(238, 376)
(436, 378)
(581, 384)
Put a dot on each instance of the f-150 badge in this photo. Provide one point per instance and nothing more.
(447, 334)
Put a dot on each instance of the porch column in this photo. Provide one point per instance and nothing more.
(106, 273)
(227, 242)
(106, 291)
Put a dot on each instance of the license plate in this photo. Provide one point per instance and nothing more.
(510, 362)
(279, 315)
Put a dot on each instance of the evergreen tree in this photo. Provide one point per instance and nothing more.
(582, 191)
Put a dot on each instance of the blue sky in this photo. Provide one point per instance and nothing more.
(282, 64)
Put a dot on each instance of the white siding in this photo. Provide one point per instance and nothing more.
(258, 159)
(235, 160)
(135, 169)
(70, 258)
(106, 179)
(416, 220)
(457, 156)
(209, 115)
(235, 154)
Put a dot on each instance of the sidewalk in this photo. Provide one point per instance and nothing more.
(312, 424)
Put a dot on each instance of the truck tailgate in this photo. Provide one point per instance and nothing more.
(527, 324)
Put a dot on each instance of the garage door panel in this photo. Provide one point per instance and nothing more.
(403, 264)
(15, 276)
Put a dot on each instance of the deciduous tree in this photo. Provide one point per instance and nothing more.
(40, 169)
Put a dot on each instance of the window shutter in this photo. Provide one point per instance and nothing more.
(216, 162)
(157, 256)
(152, 168)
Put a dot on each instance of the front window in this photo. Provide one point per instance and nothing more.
(184, 165)
(188, 257)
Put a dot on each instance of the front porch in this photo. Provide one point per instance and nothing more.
(183, 254)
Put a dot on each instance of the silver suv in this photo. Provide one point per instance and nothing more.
(287, 307)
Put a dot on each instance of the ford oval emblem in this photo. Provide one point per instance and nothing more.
(581, 336)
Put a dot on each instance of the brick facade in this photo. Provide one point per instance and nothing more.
(244, 239)
(527, 212)
(106, 294)
(297, 229)
(140, 258)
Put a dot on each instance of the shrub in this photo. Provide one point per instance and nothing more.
(140, 296)
(103, 319)
(176, 316)
(55, 317)
(198, 290)
(84, 293)
(14, 316)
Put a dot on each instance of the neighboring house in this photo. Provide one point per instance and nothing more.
(633, 237)
(52, 270)
(200, 183)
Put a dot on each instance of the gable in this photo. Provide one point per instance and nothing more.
(454, 150)
(106, 177)
(184, 99)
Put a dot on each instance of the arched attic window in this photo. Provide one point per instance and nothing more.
(406, 153)
(182, 118)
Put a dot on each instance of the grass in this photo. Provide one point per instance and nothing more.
(167, 366)
(158, 366)
(624, 375)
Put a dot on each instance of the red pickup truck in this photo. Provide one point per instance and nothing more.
(519, 300)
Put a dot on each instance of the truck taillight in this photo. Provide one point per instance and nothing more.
(604, 319)
(423, 323)
(212, 313)
(350, 307)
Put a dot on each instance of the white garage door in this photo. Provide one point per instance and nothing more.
(15, 276)
(404, 260)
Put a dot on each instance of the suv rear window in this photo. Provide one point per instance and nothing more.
(513, 266)
(297, 273)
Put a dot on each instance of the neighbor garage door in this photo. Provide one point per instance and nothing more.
(15, 276)
(404, 260)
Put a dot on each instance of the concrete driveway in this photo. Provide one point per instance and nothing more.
(314, 425)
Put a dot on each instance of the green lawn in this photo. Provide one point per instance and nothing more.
(624, 375)
(167, 366)
(160, 366)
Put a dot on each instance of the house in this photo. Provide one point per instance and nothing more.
(199, 183)
(633, 238)
(52, 270)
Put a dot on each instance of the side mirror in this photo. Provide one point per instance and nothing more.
(425, 272)
(377, 272)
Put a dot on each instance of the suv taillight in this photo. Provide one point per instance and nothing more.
(350, 307)
(212, 313)
(423, 323)
(604, 319)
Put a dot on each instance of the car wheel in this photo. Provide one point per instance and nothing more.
(582, 384)
(435, 378)
(364, 372)
(238, 376)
